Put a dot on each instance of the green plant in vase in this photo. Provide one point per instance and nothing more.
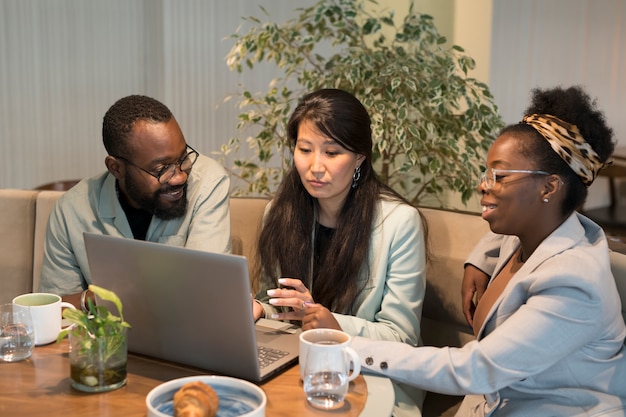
(98, 349)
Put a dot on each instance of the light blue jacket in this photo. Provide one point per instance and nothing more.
(92, 206)
(390, 306)
(552, 344)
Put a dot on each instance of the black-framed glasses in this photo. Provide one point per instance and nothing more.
(168, 171)
(492, 176)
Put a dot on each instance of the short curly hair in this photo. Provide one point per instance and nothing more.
(574, 106)
(119, 120)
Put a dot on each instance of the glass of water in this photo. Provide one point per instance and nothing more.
(16, 333)
(326, 379)
(326, 361)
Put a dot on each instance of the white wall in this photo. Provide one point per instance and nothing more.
(64, 62)
(539, 43)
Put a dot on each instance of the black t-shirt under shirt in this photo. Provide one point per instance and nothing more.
(323, 238)
(138, 219)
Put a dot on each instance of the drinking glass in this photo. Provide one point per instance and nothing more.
(16, 333)
(326, 360)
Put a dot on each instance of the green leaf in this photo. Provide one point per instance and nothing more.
(387, 20)
(107, 296)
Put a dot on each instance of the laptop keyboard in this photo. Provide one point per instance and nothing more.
(267, 355)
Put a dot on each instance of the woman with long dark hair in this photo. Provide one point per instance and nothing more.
(338, 248)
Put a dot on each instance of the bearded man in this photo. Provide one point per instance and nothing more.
(156, 188)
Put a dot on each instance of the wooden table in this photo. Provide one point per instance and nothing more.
(40, 386)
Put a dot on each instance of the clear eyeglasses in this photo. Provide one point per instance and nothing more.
(493, 176)
(168, 171)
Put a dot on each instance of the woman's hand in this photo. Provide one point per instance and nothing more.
(472, 289)
(317, 316)
(292, 293)
(257, 309)
(80, 300)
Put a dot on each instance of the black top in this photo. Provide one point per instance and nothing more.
(138, 219)
(323, 238)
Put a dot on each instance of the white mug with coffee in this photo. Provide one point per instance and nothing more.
(45, 311)
(326, 360)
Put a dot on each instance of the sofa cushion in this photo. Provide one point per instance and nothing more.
(246, 216)
(45, 202)
(451, 237)
(17, 224)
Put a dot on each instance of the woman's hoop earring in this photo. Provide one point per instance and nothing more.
(356, 177)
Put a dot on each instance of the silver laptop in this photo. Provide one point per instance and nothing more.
(190, 307)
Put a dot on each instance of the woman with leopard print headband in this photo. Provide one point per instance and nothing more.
(549, 330)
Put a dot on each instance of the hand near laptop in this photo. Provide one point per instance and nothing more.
(294, 294)
(317, 316)
(80, 299)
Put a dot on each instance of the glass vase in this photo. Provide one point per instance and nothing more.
(97, 363)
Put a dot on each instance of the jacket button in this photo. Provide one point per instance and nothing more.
(384, 365)
(369, 360)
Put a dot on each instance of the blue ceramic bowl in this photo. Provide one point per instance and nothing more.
(238, 398)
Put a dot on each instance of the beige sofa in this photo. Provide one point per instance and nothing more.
(24, 213)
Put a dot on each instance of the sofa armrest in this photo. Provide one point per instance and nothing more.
(17, 224)
(246, 216)
(45, 202)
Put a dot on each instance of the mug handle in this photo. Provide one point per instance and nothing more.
(355, 361)
(66, 305)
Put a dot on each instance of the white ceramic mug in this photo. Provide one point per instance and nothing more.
(45, 310)
(325, 362)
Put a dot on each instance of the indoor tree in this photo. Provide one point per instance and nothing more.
(432, 123)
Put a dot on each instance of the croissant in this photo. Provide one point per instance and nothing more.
(195, 399)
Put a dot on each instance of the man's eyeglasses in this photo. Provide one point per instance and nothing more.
(168, 171)
(492, 176)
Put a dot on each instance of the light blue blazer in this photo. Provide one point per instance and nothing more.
(552, 344)
(394, 283)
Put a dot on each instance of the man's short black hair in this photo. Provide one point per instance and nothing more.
(121, 117)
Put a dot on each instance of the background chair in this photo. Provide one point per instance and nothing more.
(613, 217)
(57, 185)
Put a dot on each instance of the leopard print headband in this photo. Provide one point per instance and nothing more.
(566, 140)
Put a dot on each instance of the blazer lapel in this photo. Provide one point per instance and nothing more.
(564, 237)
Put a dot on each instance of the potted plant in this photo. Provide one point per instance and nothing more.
(432, 124)
(98, 349)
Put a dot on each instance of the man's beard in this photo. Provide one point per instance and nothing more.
(152, 203)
